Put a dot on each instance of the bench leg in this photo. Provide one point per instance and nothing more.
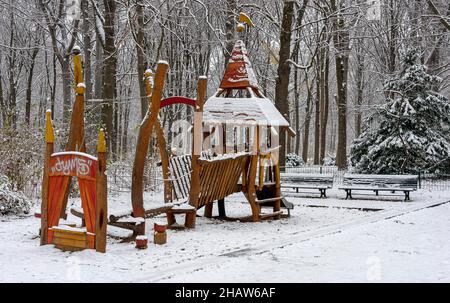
(190, 219)
(323, 193)
(376, 192)
(209, 210)
(171, 219)
(407, 198)
(349, 194)
(296, 190)
(221, 205)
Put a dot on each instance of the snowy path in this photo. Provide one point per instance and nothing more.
(283, 242)
(316, 244)
(406, 248)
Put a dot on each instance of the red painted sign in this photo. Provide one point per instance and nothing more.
(73, 164)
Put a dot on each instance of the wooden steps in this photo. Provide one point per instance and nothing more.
(69, 239)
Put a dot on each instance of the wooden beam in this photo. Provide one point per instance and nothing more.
(194, 192)
(145, 133)
(49, 140)
(101, 221)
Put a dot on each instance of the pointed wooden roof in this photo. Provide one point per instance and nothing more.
(239, 73)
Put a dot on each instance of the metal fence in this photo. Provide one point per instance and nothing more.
(427, 181)
(120, 176)
(436, 182)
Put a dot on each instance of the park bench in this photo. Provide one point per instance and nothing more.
(297, 181)
(380, 183)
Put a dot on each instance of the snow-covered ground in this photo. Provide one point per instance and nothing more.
(329, 240)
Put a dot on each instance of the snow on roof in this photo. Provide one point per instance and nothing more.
(242, 111)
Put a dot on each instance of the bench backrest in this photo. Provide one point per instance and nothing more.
(180, 168)
(387, 181)
(218, 177)
(307, 179)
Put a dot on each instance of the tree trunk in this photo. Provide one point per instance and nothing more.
(229, 28)
(341, 43)
(67, 91)
(284, 70)
(307, 122)
(87, 41)
(29, 87)
(325, 106)
(359, 92)
(317, 108)
(109, 75)
(141, 62)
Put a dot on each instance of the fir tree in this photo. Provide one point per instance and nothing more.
(410, 132)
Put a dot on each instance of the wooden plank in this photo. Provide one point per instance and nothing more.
(210, 187)
(216, 185)
(269, 216)
(270, 200)
(226, 177)
(195, 190)
(209, 176)
(101, 221)
(69, 243)
(49, 139)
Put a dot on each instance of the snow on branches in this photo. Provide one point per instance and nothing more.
(12, 202)
(411, 131)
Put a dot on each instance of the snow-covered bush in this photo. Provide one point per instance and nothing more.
(21, 157)
(410, 132)
(12, 202)
(293, 160)
(329, 160)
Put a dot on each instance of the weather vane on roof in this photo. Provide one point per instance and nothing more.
(243, 21)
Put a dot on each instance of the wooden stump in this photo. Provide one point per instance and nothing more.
(141, 242)
(160, 238)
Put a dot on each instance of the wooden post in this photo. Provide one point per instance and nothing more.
(101, 221)
(75, 141)
(77, 66)
(145, 132)
(251, 190)
(49, 140)
(209, 210)
(148, 78)
(194, 193)
(221, 202)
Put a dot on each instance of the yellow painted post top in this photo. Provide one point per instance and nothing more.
(49, 135)
(148, 81)
(80, 89)
(101, 147)
(78, 69)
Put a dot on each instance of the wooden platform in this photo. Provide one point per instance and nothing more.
(69, 239)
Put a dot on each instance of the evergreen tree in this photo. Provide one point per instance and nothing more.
(411, 131)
